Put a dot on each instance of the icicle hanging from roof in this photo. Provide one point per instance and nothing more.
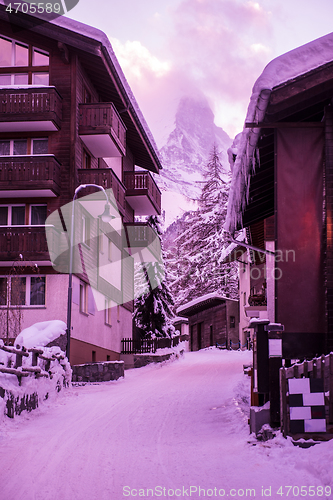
(281, 70)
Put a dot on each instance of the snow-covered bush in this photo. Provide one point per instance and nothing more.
(30, 372)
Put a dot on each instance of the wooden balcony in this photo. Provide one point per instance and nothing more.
(29, 176)
(102, 130)
(30, 109)
(106, 178)
(29, 241)
(142, 241)
(142, 193)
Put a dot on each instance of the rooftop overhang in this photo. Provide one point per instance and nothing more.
(196, 306)
(298, 103)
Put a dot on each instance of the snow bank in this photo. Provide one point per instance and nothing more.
(41, 334)
(281, 70)
(30, 384)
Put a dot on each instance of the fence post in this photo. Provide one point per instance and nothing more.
(322, 367)
(283, 401)
(331, 388)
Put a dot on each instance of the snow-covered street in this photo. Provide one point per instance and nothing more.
(173, 430)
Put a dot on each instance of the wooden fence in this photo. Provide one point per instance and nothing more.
(142, 346)
(36, 369)
(317, 368)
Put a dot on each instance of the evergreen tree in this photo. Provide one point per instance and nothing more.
(194, 260)
(153, 309)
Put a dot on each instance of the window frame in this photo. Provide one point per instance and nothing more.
(83, 298)
(30, 143)
(30, 69)
(107, 312)
(10, 215)
(27, 292)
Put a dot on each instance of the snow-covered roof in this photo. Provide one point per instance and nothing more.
(226, 252)
(284, 68)
(179, 319)
(209, 297)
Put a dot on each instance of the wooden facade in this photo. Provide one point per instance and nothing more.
(213, 321)
(81, 125)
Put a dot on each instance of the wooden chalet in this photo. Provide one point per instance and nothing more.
(213, 320)
(282, 193)
(68, 117)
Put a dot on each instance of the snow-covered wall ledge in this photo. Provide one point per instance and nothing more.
(31, 372)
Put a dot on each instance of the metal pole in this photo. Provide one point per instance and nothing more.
(71, 252)
(70, 282)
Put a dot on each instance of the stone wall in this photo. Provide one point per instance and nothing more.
(98, 372)
(145, 359)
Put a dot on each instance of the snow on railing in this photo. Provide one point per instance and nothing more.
(28, 376)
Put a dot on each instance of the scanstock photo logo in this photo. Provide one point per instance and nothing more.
(40, 12)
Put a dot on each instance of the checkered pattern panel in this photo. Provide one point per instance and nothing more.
(307, 405)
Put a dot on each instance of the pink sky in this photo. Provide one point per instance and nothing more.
(171, 48)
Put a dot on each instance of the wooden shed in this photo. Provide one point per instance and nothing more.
(213, 320)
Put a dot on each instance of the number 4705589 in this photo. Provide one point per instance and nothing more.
(33, 8)
(303, 491)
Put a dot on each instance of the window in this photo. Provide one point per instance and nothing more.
(108, 315)
(15, 57)
(18, 288)
(86, 160)
(232, 322)
(3, 291)
(38, 214)
(13, 53)
(37, 290)
(12, 215)
(12, 147)
(40, 146)
(86, 96)
(86, 230)
(22, 291)
(83, 297)
(40, 58)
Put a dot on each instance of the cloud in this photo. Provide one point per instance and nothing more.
(136, 59)
(218, 42)
(215, 47)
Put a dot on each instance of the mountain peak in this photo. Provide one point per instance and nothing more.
(188, 147)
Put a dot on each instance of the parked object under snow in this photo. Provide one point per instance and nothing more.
(30, 372)
(41, 334)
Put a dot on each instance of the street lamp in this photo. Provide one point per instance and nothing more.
(105, 217)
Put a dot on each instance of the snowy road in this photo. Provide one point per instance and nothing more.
(163, 431)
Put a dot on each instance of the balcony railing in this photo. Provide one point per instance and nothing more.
(29, 241)
(141, 235)
(106, 178)
(102, 119)
(30, 173)
(28, 106)
(139, 185)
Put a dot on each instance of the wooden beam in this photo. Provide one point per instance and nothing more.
(285, 125)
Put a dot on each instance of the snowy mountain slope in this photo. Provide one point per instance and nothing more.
(186, 153)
